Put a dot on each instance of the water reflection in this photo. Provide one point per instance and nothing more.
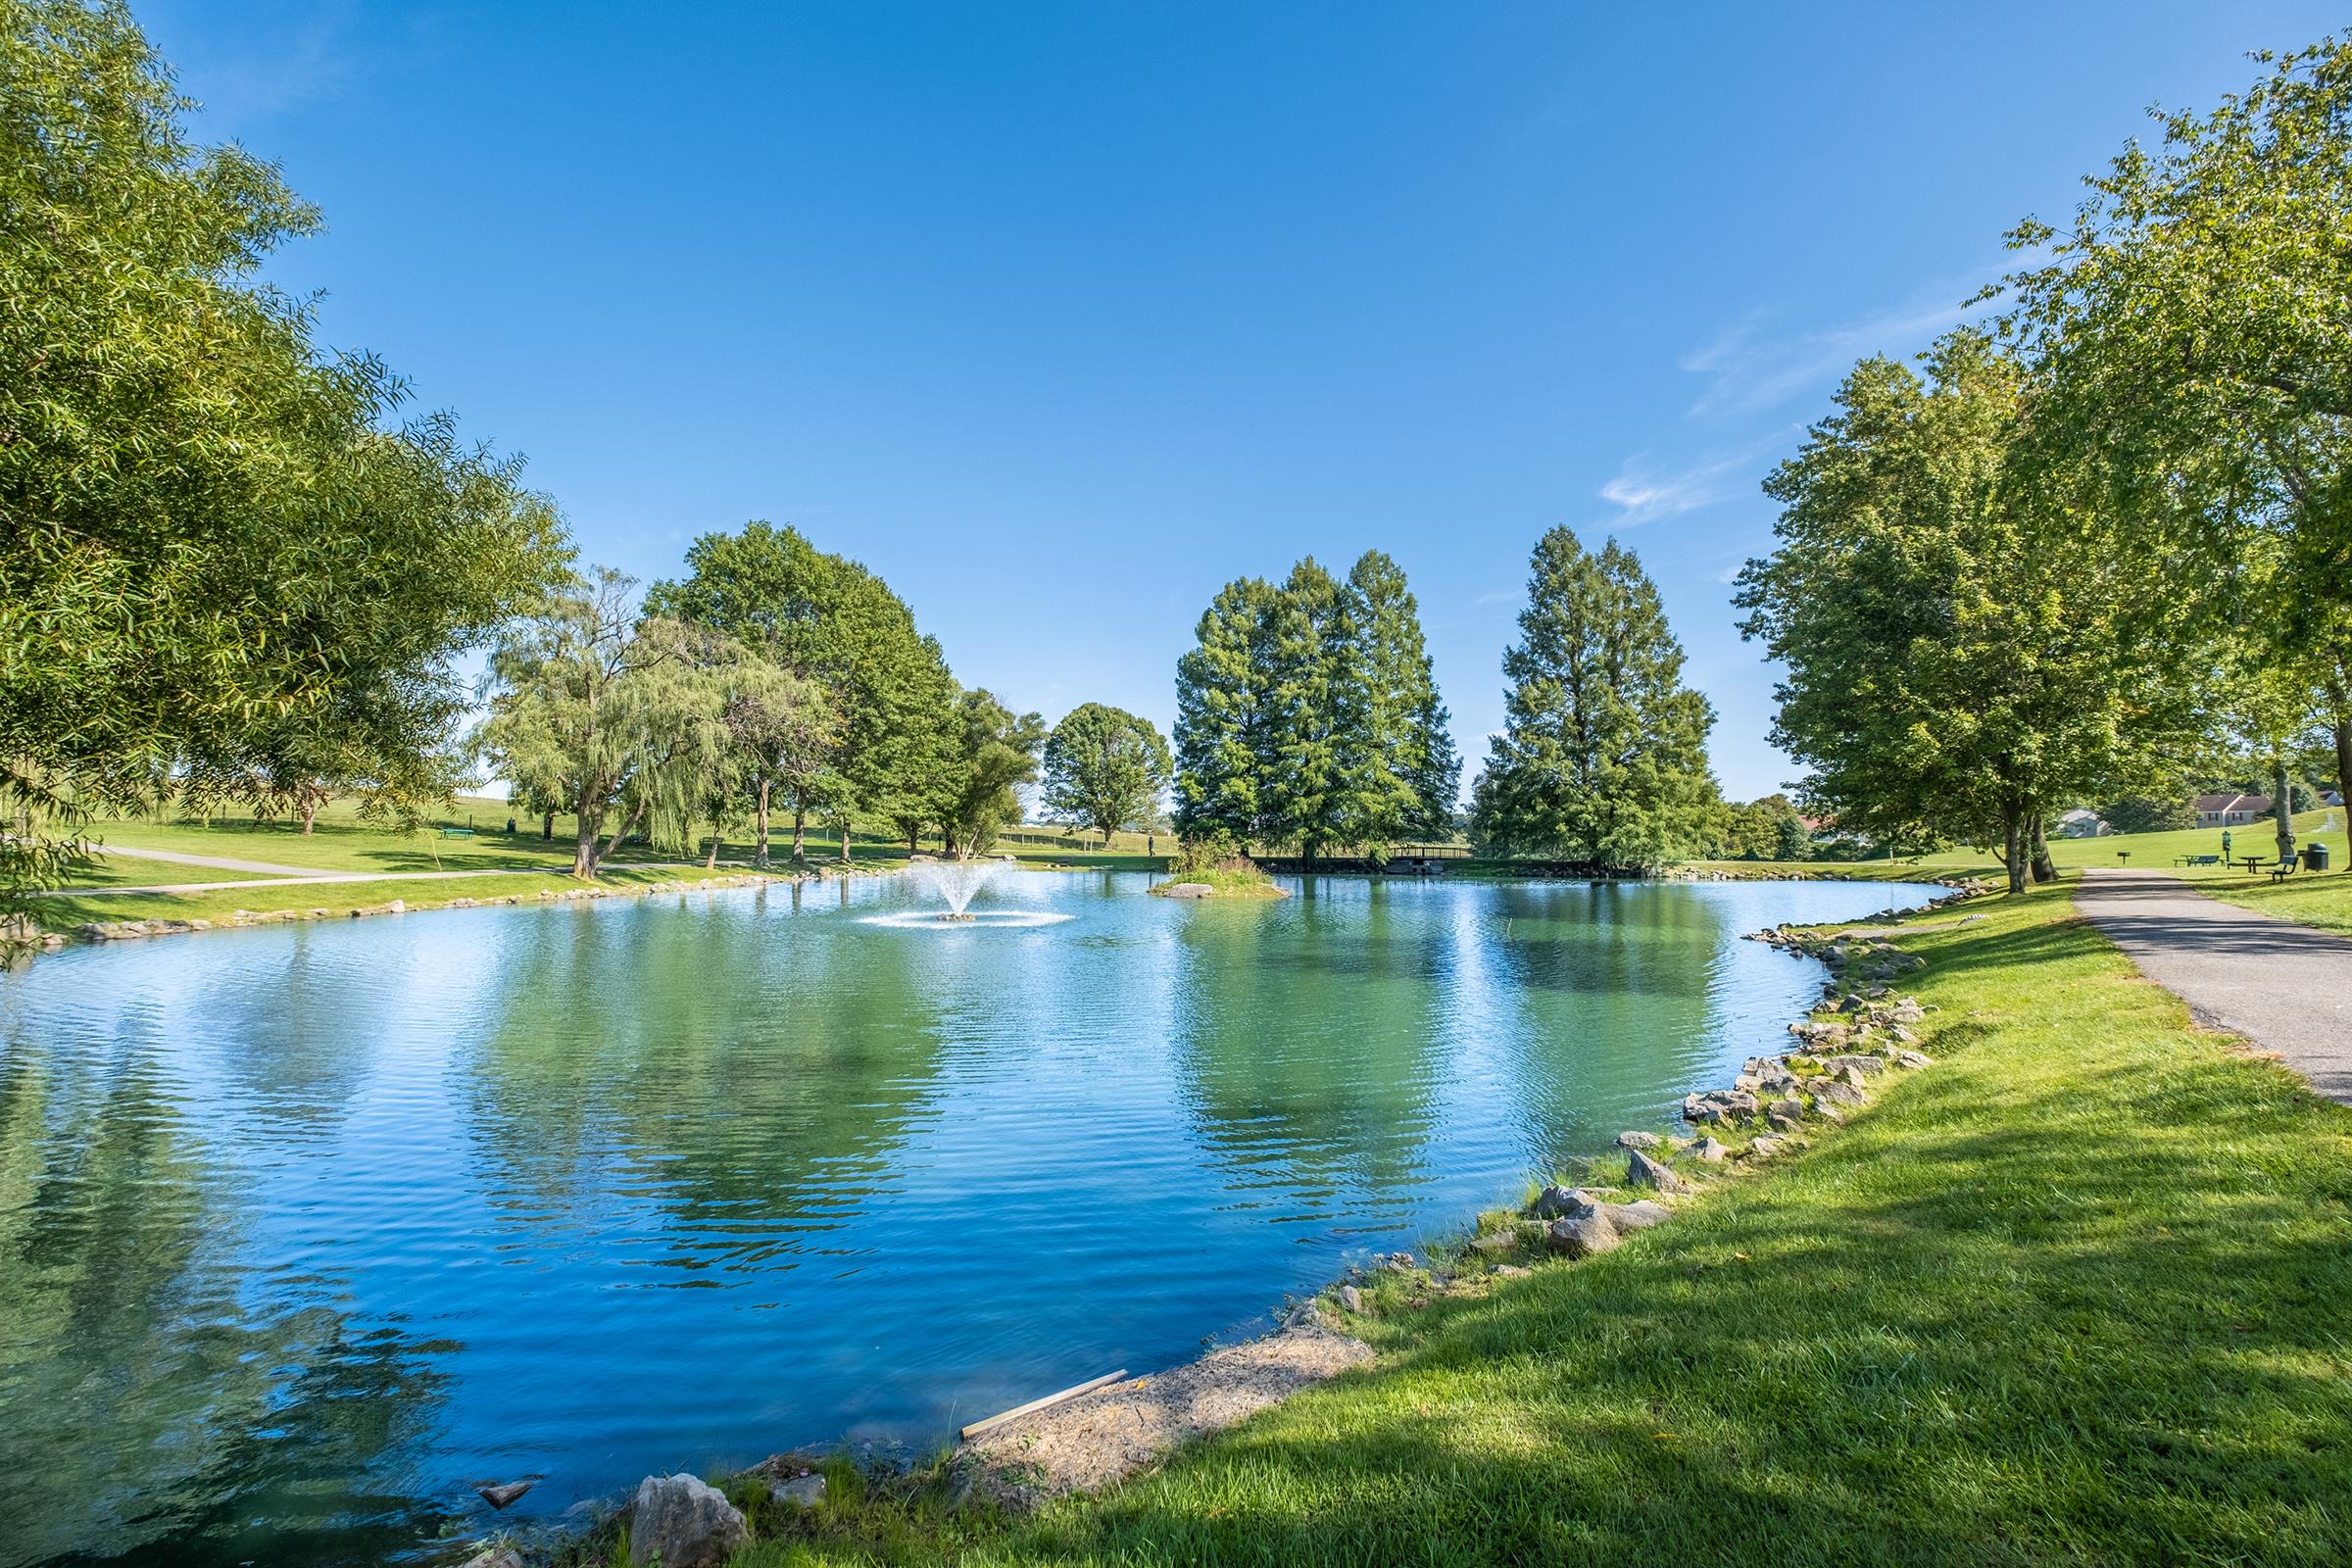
(304, 1230)
(149, 1397)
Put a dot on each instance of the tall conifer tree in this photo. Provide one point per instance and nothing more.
(1220, 716)
(1604, 754)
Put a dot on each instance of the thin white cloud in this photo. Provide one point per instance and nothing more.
(283, 59)
(1644, 493)
(1746, 369)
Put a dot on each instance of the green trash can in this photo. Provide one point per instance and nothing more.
(2315, 857)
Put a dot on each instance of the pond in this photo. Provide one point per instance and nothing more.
(306, 1230)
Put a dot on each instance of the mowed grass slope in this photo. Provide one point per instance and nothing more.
(2079, 1292)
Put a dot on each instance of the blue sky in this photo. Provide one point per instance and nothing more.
(1061, 317)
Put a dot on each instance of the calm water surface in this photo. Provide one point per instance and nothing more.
(304, 1230)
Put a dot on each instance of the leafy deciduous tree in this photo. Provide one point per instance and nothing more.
(1105, 768)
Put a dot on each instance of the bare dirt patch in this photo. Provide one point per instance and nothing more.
(1103, 1437)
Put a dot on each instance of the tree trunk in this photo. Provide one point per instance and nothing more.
(547, 826)
(711, 864)
(583, 848)
(2044, 868)
(800, 833)
(628, 825)
(2339, 723)
(759, 855)
(2282, 808)
(2013, 848)
(309, 814)
(845, 841)
(911, 845)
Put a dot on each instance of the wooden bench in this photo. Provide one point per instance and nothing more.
(2196, 859)
(457, 832)
(2285, 868)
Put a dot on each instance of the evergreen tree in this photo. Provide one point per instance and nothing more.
(1307, 715)
(1604, 758)
(1314, 711)
(1221, 716)
(1396, 750)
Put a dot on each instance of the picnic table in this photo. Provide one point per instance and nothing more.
(2254, 862)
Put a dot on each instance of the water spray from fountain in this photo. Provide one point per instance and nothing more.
(956, 882)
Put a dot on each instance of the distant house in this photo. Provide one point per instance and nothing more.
(2079, 823)
(2231, 810)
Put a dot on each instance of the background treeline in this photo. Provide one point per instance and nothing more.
(775, 682)
(231, 566)
(2077, 552)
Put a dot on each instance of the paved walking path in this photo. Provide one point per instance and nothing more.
(212, 861)
(2285, 987)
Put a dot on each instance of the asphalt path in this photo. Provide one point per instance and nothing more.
(2285, 987)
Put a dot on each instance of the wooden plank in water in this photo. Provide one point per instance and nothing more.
(1033, 1405)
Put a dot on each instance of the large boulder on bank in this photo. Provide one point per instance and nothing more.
(1582, 1232)
(1638, 1140)
(684, 1523)
(1627, 1218)
(1187, 890)
(1554, 1201)
(1718, 1106)
(1643, 1171)
(1836, 1092)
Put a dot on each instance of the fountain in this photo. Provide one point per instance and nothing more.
(958, 880)
(955, 882)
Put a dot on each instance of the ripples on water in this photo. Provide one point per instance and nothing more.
(306, 1229)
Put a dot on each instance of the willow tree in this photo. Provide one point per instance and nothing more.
(221, 564)
(828, 620)
(1603, 754)
(584, 698)
(1967, 648)
(996, 751)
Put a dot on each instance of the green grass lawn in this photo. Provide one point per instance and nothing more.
(1909, 870)
(2081, 1292)
(63, 912)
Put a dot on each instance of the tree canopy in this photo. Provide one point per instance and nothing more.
(2187, 330)
(1603, 756)
(220, 566)
(1105, 768)
(1307, 715)
(1965, 645)
(831, 621)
